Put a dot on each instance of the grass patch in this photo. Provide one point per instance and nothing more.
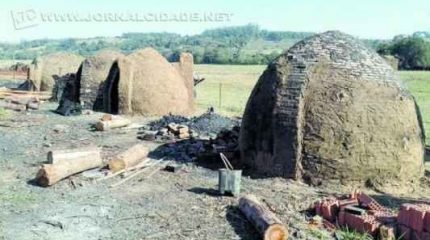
(3, 114)
(17, 198)
(319, 234)
(237, 81)
(348, 234)
(418, 82)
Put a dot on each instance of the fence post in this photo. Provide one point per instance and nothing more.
(220, 96)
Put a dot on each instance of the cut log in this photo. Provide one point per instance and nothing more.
(4, 94)
(50, 174)
(116, 122)
(56, 156)
(128, 158)
(20, 100)
(106, 117)
(33, 105)
(13, 106)
(262, 218)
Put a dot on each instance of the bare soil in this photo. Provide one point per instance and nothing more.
(181, 205)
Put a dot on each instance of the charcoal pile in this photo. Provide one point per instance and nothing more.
(207, 126)
(227, 142)
(184, 151)
(191, 148)
(165, 120)
(211, 123)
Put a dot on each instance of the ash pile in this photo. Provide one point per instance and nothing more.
(187, 139)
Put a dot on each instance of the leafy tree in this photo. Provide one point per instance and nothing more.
(413, 51)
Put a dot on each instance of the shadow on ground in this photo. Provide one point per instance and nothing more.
(241, 226)
(207, 191)
(395, 202)
(196, 151)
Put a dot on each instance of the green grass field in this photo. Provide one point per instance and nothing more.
(236, 83)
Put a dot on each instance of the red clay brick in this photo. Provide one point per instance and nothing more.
(362, 224)
(416, 218)
(347, 202)
(329, 210)
(341, 218)
(403, 216)
(427, 222)
(317, 206)
(371, 226)
(369, 202)
(384, 217)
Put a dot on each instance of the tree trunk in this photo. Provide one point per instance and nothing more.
(129, 158)
(262, 218)
(56, 156)
(50, 174)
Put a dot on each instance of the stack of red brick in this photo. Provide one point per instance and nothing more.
(414, 221)
(358, 212)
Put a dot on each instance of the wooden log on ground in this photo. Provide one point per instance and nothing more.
(128, 158)
(56, 156)
(7, 90)
(33, 105)
(20, 100)
(13, 106)
(8, 95)
(50, 174)
(30, 102)
(115, 122)
(262, 218)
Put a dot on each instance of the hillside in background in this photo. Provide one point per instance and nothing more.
(231, 45)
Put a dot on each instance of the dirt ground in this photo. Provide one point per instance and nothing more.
(181, 205)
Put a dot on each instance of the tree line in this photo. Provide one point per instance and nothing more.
(230, 45)
(248, 44)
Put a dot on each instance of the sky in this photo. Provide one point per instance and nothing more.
(381, 19)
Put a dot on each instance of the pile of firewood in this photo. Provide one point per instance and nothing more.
(20, 104)
(21, 100)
